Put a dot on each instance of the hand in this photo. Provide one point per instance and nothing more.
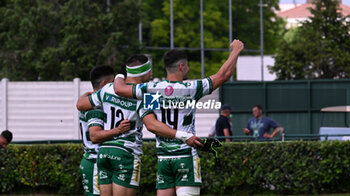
(124, 126)
(246, 131)
(237, 46)
(194, 141)
(268, 136)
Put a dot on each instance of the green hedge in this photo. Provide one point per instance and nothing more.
(283, 168)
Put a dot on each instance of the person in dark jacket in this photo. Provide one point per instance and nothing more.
(223, 125)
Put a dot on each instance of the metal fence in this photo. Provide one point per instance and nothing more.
(202, 48)
(295, 105)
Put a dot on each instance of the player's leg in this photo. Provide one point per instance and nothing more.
(165, 178)
(166, 192)
(121, 190)
(104, 172)
(126, 172)
(188, 176)
(88, 171)
(106, 189)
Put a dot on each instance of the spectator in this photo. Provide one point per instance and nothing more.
(5, 138)
(222, 126)
(259, 126)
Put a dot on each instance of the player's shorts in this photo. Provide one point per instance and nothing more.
(89, 177)
(174, 172)
(118, 166)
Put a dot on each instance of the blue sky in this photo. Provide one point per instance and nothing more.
(346, 2)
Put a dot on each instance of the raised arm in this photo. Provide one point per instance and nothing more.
(98, 135)
(226, 70)
(163, 130)
(83, 103)
(121, 88)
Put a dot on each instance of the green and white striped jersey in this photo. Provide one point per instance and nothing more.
(173, 95)
(117, 109)
(86, 118)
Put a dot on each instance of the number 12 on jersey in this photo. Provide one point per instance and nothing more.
(119, 114)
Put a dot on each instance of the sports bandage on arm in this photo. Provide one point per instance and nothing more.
(181, 135)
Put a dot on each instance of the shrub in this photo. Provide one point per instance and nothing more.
(282, 168)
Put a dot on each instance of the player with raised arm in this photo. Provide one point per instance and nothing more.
(99, 76)
(119, 159)
(178, 164)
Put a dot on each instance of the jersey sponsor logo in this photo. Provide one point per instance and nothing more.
(168, 90)
(160, 179)
(151, 101)
(119, 101)
(184, 172)
(121, 177)
(103, 175)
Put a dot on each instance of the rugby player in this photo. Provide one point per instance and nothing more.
(119, 159)
(99, 76)
(178, 164)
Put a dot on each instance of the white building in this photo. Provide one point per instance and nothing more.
(249, 68)
(294, 14)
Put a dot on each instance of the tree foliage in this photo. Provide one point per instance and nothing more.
(60, 40)
(246, 27)
(63, 39)
(320, 48)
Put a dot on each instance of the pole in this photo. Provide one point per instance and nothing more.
(76, 94)
(140, 25)
(262, 40)
(108, 2)
(202, 40)
(171, 26)
(4, 103)
(230, 26)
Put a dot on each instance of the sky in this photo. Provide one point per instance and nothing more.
(346, 2)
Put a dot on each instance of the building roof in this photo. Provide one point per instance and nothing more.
(302, 11)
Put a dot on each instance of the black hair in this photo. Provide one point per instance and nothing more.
(172, 57)
(7, 135)
(136, 59)
(98, 73)
(258, 106)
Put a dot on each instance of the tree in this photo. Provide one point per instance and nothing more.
(246, 27)
(63, 39)
(320, 48)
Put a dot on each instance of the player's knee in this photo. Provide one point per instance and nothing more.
(188, 191)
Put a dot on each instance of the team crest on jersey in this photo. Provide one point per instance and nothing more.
(151, 101)
(168, 90)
